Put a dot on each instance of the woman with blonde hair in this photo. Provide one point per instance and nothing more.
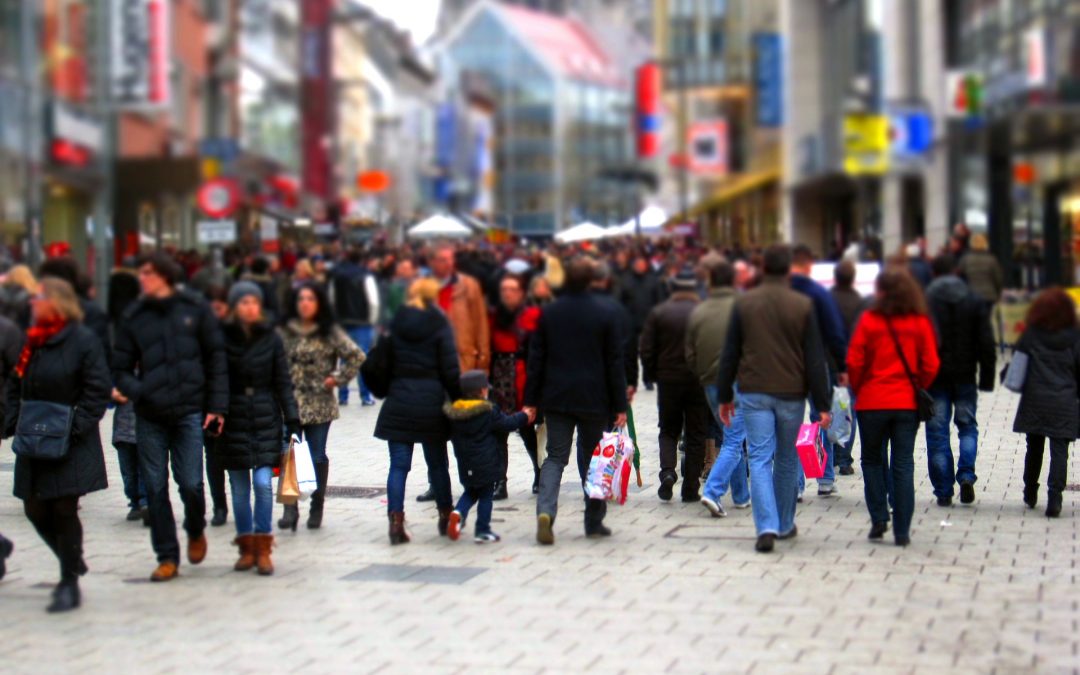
(423, 374)
(982, 270)
(61, 385)
(19, 284)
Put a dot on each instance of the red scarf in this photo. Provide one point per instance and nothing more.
(39, 334)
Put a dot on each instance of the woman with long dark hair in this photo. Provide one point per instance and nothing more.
(893, 336)
(1049, 408)
(321, 357)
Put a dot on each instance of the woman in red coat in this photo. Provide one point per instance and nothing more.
(885, 396)
(512, 325)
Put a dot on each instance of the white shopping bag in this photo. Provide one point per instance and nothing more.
(305, 469)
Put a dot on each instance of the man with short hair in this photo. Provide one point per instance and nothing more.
(851, 304)
(463, 301)
(575, 377)
(355, 296)
(773, 352)
(169, 360)
(966, 343)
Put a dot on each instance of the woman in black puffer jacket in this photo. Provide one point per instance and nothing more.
(1049, 402)
(424, 373)
(261, 401)
(62, 362)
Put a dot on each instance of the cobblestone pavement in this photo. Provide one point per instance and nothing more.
(987, 588)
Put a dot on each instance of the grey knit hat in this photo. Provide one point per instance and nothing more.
(242, 289)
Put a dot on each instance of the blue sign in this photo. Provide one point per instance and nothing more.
(769, 79)
(224, 149)
(912, 132)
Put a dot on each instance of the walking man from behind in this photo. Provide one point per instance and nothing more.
(181, 389)
(966, 343)
(356, 302)
(576, 379)
(773, 352)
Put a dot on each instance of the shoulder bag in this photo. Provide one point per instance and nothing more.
(1016, 373)
(924, 402)
(43, 430)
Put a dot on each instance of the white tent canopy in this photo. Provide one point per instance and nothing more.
(440, 226)
(652, 221)
(582, 232)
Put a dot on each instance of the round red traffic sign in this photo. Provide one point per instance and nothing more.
(219, 198)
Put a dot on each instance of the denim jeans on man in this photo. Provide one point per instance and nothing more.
(560, 435)
(730, 464)
(181, 445)
(363, 337)
(401, 455)
(241, 483)
(895, 429)
(828, 480)
(957, 403)
(772, 426)
(483, 498)
(127, 455)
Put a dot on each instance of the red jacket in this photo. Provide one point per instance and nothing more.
(877, 374)
(515, 341)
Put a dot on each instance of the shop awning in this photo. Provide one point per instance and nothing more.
(742, 185)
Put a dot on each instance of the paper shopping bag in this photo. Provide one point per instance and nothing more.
(541, 443)
(288, 491)
(305, 468)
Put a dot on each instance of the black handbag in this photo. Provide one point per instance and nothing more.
(43, 430)
(924, 401)
(377, 367)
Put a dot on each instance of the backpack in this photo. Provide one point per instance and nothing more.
(378, 367)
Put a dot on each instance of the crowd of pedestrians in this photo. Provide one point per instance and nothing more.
(215, 368)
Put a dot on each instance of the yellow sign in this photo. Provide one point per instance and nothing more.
(866, 145)
(211, 168)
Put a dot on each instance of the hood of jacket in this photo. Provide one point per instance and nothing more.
(466, 409)
(1057, 340)
(416, 325)
(951, 289)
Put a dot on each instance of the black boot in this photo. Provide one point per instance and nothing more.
(322, 472)
(221, 516)
(1053, 504)
(6, 549)
(65, 597)
(428, 496)
(289, 518)
(500, 491)
(1031, 495)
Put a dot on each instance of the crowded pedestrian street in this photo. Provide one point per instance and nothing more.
(990, 587)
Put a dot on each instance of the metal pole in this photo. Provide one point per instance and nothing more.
(32, 131)
(103, 201)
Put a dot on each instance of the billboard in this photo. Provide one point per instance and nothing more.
(140, 53)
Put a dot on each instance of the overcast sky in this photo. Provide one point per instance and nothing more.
(416, 16)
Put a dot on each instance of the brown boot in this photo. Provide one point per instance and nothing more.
(263, 544)
(166, 571)
(444, 521)
(398, 533)
(246, 544)
(196, 549)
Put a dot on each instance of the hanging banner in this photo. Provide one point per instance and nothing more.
(768, 80)
(316, 97)
(140, 53)
(649, 84)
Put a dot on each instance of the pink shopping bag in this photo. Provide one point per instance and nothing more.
(811, 451)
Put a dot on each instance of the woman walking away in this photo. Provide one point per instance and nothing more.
(893, 337)
(260, 403)
(1048, 402)
(61, 372)
(320, 356)
(425, 371)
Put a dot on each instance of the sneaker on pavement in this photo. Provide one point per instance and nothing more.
(367, 402)
(428, 496)
(667, 482)
(967, 492)
(790, 534)
(544, 533)
(765, 543)
(847, 471)
(944, 502)
(714, 507)
(487, 538)
(744, 505)
(453, 528)
(598, 532)
(134, 514)
(827, 491)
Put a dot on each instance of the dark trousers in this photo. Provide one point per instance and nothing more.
(1059, 463)
(57, 522)
(215, 479)
(127, 455)
(528, 436)
(561, 428)
(482, 497)
(888, 439)
(179, 444)
(682, 406)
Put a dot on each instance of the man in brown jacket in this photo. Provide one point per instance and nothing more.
(463, 301)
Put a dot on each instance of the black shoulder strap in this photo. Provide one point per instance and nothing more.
(900, 352)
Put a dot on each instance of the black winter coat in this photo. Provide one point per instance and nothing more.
(629, 336)
(260, 399)
(575, 359)
(473, 427)
(177, 345)
(965, 339)
(69, 369)
(425, 371)
(640, 293)
(1049, 405)
(663, 341)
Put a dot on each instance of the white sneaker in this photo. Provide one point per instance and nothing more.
(743, 506)
(487, 538)
(714, 507)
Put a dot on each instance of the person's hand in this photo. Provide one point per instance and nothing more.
(630, 391)
(843, 380)
(329, 383)
(215, 421)
(530, 413)
(727, 413)
(118, 397)
(826, 420)
(620, 420)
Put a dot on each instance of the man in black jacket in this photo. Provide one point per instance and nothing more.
(681, 400)
(181, 389)
(355, 295)
(602, 288)
(575, 376)
(11, 341)
(641, 290)
(966, 342)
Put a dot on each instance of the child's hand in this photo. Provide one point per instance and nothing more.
(530, 413)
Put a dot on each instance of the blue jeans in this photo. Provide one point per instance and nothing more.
(401, 463)
(362, 336)
(482, 497)
(772, 426)
(240, 481)
(182, 443)
(959, 404)
(315, 436)
(844, 457)
(127, 455)
(829, 478)
(888, 440)
(730, 464)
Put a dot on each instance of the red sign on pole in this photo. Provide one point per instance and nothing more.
(317, 97)
(218, 198)
(647, 126)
